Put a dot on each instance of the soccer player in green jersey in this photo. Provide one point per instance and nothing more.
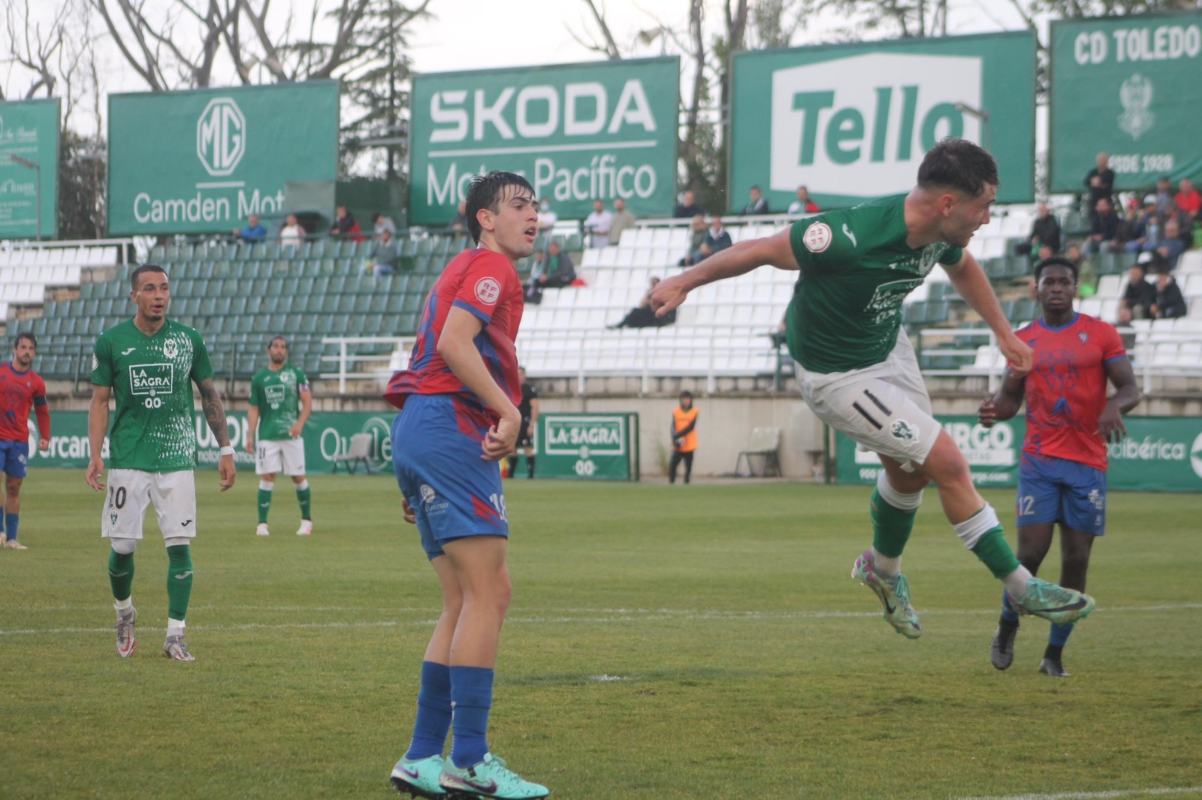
(147, 365)
(858, 371)
(280, 405)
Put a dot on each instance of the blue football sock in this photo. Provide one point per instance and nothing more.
(433, 712)
(1058, 637)
(11, 523)
(1008, 612)
(471, 699)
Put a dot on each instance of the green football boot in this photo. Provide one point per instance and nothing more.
(1053, 603)
(894, 593)
(489, 778)
(418, 777)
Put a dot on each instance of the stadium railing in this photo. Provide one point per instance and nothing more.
(389, 353)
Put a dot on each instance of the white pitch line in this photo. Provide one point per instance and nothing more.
(1107, 795)
(598, 617)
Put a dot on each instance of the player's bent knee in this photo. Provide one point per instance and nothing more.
(123, 547)
(904, 494)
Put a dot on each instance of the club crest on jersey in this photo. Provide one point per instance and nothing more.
(1082, 336)
(817, 237)
(170, 348)
(488, 291)
(903, 431)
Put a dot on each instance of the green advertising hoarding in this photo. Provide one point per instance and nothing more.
(29, 169)
(203, 161)
(853, 121)
(577, 132)
(588, 446)
(1159, 454)
(1128, 86)
(327, 434)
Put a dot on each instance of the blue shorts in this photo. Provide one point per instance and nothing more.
(452, 490)
(14, 455)
(1058, 490)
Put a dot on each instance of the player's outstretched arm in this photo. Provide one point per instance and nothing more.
(1125, 398)
(738, 259)
(1006, 403)
(214, 411)
(457, 347)
(973, 285)
(98, 426)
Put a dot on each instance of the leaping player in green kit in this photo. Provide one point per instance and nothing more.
(148, 364)
(858, 371)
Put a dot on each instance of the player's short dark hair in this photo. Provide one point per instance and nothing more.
(33, 340)
(1055, 261)
(142, 270)
(485, 192)
(958, 164)
(686, 393)
(280, 338)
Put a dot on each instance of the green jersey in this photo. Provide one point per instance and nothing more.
(277, 395)
(856, 269)
(151, 378)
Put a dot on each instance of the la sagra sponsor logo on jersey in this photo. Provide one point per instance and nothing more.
(867, 120)
(151, 379)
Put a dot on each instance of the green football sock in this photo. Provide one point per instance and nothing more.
(891, 526)
(994, 551)
(304, 497)
(121, 574)
(264, 504)
(179, 580)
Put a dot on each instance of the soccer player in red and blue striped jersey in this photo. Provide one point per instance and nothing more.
(1062, 477)
(20, 389)
(458, 418)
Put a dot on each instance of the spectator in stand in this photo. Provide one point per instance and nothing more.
(381, 223)
(1165, 204)
(1140, 296)
(1170, 246)
(716, 238)
(546, 217)
(253, 232)
(803, 204)
(345, 226)
(384, 255)
(1189, 200)
(1104, 228)
(554, 270)
(292, 235)
(1145, 232)
(1099, 182)
(756, 202)
(459, 221)
(641, 316)
(598, 224)
(687, 207)
(697, 233)
(1045, 233)
(1169, 301)
(623, 220)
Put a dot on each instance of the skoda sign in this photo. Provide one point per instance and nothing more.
(221, 136)
(851, 122)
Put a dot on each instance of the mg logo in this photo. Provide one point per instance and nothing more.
(221, 136)
(866, 121)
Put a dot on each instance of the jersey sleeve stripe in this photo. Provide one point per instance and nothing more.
(480, 315)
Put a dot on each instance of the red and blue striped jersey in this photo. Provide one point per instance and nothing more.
(18, 392)
(1066, 388)
(485, 284)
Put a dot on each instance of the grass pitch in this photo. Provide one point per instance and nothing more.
(663, 642)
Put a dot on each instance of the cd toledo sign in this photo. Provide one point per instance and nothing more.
(578, 133)
(852, 122)
(203, 161)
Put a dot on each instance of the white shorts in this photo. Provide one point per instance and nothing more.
(129, 491)
(884, 407)
(280, 455)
